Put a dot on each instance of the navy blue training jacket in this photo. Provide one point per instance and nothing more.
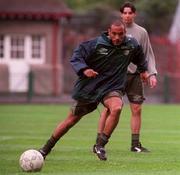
(109, 61)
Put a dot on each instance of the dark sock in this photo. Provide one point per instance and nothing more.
(49, 145)
(97, 138)
(135, 140)
(103, 139)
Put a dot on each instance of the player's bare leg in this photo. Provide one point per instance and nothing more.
(59, 131)
(102, 120)
(135, 118)
(114, 106)
(101, 124)
(136, 110)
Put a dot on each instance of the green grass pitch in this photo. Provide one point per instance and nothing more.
(28, 126)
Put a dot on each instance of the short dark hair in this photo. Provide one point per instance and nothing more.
(128, 4)
(117, 22)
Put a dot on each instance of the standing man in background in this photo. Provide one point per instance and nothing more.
(134, 86)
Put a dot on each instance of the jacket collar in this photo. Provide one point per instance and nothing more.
(104, 39)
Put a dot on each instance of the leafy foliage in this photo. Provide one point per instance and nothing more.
(158, 14)
(150, 12)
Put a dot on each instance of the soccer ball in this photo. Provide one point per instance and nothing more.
(31, 161)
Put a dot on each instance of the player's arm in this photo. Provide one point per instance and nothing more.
(78, 60)
(145, 77)
(152, 80)
(149, 55)
(90, 73)
(80, 56)
(139, 60)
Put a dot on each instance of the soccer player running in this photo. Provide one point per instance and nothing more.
(134, 85)
(101, 65)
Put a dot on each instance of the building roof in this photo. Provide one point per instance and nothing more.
(38, 9)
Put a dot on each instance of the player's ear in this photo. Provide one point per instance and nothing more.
(121, 15)
(135, 14)
(109, 31)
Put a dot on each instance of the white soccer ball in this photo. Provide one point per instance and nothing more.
(31, 161)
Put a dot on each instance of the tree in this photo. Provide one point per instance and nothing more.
(157, 15)
(154, 15)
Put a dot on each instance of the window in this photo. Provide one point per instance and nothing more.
(36, 47)
(30, 48)
(1, 46)
(17, 47)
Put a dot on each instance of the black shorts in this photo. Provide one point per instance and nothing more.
(81, 108)
(134, 89)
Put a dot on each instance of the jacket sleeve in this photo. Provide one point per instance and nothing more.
(80, 55)
(148, 52)
(139, 60)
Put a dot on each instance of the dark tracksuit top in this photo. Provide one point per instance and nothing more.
(109, 61)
